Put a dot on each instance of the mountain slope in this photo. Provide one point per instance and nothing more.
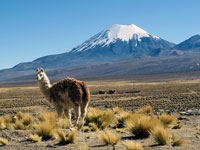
(192, 43)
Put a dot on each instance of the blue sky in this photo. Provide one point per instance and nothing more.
(33, 28)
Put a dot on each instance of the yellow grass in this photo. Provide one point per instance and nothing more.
(35, 137)
(19, 125)
(109, 138)
(60, 135)
(63, 123)
(160, 135)
(142, 126)
(44, 129)
(3, 141)
(132, 146)
(72, 137)
(176, 141)
(167, 120)
(101, 118)
(146, 110)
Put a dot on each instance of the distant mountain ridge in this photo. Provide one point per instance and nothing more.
(115, 46)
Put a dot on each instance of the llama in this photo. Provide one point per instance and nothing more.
(65, 95)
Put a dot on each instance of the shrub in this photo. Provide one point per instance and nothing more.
(177, 141)
(63, 123)
(109, 138)
(142, 126)
(71, 138)
(177, 126)
(167, 119)
(102, 119)
(19, 125)
(132, 146)
(146, 110)
(3, 141)
(160, 135)
(35, 137)
(44, 129)
(2, 123)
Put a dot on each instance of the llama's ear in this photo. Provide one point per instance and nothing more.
(37, 70)
(41, 70)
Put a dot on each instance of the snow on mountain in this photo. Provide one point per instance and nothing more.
(112, 34)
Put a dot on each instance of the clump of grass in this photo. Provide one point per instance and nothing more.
(63, 139)
(2, 123)
(101, 118)
(7, 119)
(35, 137)
(132, 146)
(45, 130)
(60, 135)
(20, 115)
(177, 126)
(146, 110)
(27, 119)
(3, 141)
(160, 135)
(177, 141)
(167, 119)
(72, 137)
(93, 127)
(118, 110)
(63, 123)
(123, 118)
(48, 117)
(83, 147)
(19, 125)
(142, 126)
(109, 138)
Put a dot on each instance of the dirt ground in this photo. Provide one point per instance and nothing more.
(180, 98)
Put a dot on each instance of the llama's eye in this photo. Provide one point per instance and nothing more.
(40, 75)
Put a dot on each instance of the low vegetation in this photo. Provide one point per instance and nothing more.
(3, 141)
(160, 135)
(109, 138)
(130, 145)
(177, 141)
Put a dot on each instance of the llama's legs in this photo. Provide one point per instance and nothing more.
(68, 115)
(83, 112)
(59, 110)
(77, 110)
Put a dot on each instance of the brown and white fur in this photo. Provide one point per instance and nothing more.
(65, 95)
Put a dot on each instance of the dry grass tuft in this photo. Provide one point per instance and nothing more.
(160, 135)
(146, 110)
(177, 126)
(167, 120)
(2, 123)
(109, 138)
(63, 139)
(72, 137)
(118, 110)
(3, 141)
(63, 123)
(48, 117)
(45, 130)
(177, 141)
(60, 135)
(101, 118)
(142, 126)
(35, 137)
(19, 125)
(132, 146)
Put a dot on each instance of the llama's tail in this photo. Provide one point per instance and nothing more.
(86, 94)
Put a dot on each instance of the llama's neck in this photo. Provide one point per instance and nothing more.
(45, 86)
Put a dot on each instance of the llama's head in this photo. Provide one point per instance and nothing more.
(41, 75)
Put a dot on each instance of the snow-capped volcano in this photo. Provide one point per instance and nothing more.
(114, 33)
